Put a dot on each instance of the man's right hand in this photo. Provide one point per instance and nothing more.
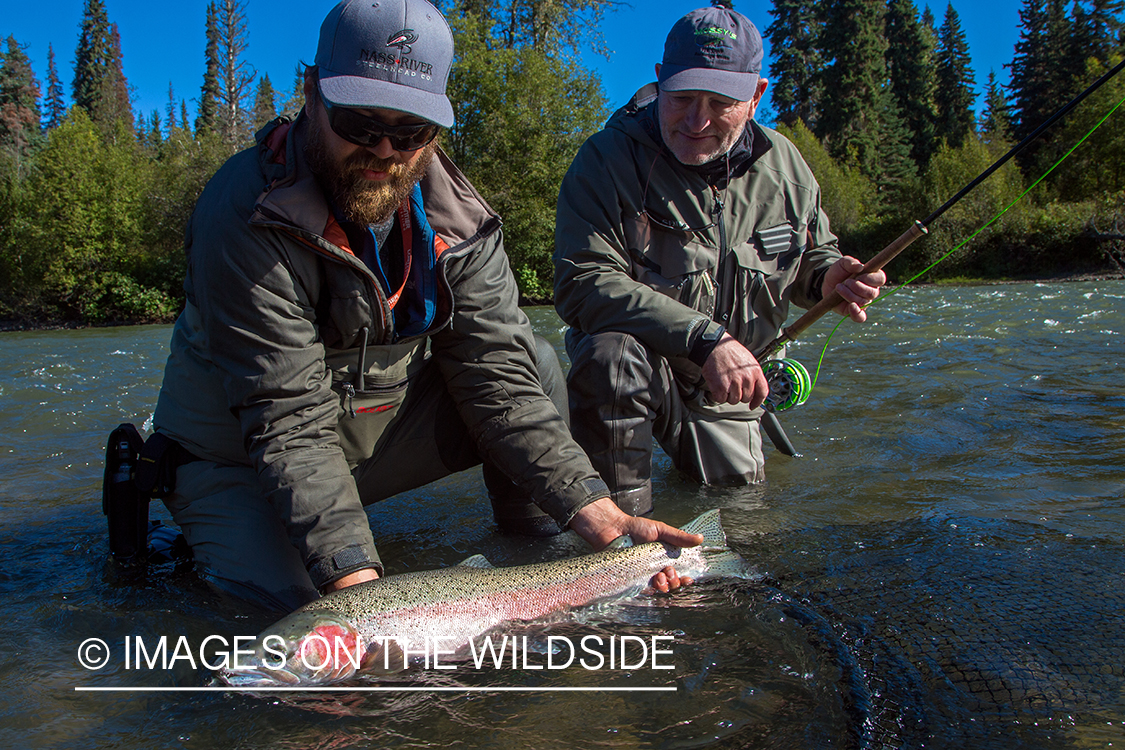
(733, 375)
(600, 522)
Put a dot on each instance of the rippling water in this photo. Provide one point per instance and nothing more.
(940, 569)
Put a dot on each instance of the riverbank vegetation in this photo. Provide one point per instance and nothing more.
(879, 98)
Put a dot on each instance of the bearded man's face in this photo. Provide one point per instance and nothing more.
(366, 184)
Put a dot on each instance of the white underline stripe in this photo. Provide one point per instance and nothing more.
(337, 689)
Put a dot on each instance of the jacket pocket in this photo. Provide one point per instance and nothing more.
(674, 264)
(364, 416)
(369, 405)
(767, 266)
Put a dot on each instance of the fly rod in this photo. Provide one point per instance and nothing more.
(918, 229)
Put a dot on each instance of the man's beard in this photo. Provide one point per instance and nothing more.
(359, 199)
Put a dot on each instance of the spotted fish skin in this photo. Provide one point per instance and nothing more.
(457, 604)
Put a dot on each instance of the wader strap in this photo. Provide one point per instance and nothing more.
(157, 464)
(777, 435)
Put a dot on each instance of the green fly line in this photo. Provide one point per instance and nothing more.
(961, 244)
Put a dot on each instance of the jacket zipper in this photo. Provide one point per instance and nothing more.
(717, 217)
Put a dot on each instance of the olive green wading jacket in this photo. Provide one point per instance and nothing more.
(279, 315)
(736, 256)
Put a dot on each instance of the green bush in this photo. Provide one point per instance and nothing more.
(521, 116)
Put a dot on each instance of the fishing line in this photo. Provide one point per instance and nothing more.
(789, 382)
(963, 242)
(788, 379)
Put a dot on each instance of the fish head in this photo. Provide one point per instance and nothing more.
(315, 647)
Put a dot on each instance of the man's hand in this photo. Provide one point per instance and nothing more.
(600, 522)
(351, 579)
(733, 375)
(857, 291)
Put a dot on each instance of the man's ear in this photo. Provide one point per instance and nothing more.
(310, 89)
(759, 92)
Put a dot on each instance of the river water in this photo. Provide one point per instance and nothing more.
(941, 568)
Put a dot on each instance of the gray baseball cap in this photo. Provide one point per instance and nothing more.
(712, 49)
(387, 54)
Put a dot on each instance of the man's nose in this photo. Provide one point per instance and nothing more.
(697, 118)
(383, 149)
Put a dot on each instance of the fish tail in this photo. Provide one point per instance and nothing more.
(721, 561)
(711, 527)
(726, 563)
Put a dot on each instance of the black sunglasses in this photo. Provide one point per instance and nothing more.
(363, 130)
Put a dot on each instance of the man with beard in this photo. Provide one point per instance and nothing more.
(352, 331)
(684, 232)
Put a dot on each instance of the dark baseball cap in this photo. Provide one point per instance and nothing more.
(387, 54)
(713, 49)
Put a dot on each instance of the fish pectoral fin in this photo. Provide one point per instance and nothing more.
(476, 561)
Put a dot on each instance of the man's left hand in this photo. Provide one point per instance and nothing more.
(600, 522)
(857, 291)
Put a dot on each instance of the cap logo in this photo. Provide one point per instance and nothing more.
(402, 39)
(716, 31)
(714, 43)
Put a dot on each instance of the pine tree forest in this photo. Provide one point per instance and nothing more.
(880, 96)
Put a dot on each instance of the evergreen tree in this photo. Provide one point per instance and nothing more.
(895, 174)
(295, 99)
(116, 98)
(92, 60)
(853, 81)
(1041, 78)
(140, 128)
(910, 67)
(1028, 66)
(55, 105)
(265, 103)
(235, 74)
(1097, 170)
(170, 110)
(154, 137)
(994, 121)
(954, 97)
(20, 119)
(207, 120)
(184, 121)
(929, 22)
(550, 27)
(794, 37)
(99, 80)
(1095, 32)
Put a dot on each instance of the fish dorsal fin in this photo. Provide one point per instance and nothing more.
(622, 542)
(710, 527)
(476, 561)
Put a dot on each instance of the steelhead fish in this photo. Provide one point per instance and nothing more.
(359, 628)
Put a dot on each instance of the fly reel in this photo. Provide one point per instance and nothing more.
(789, 384)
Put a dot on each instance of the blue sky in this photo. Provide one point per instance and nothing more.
(163, 42)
